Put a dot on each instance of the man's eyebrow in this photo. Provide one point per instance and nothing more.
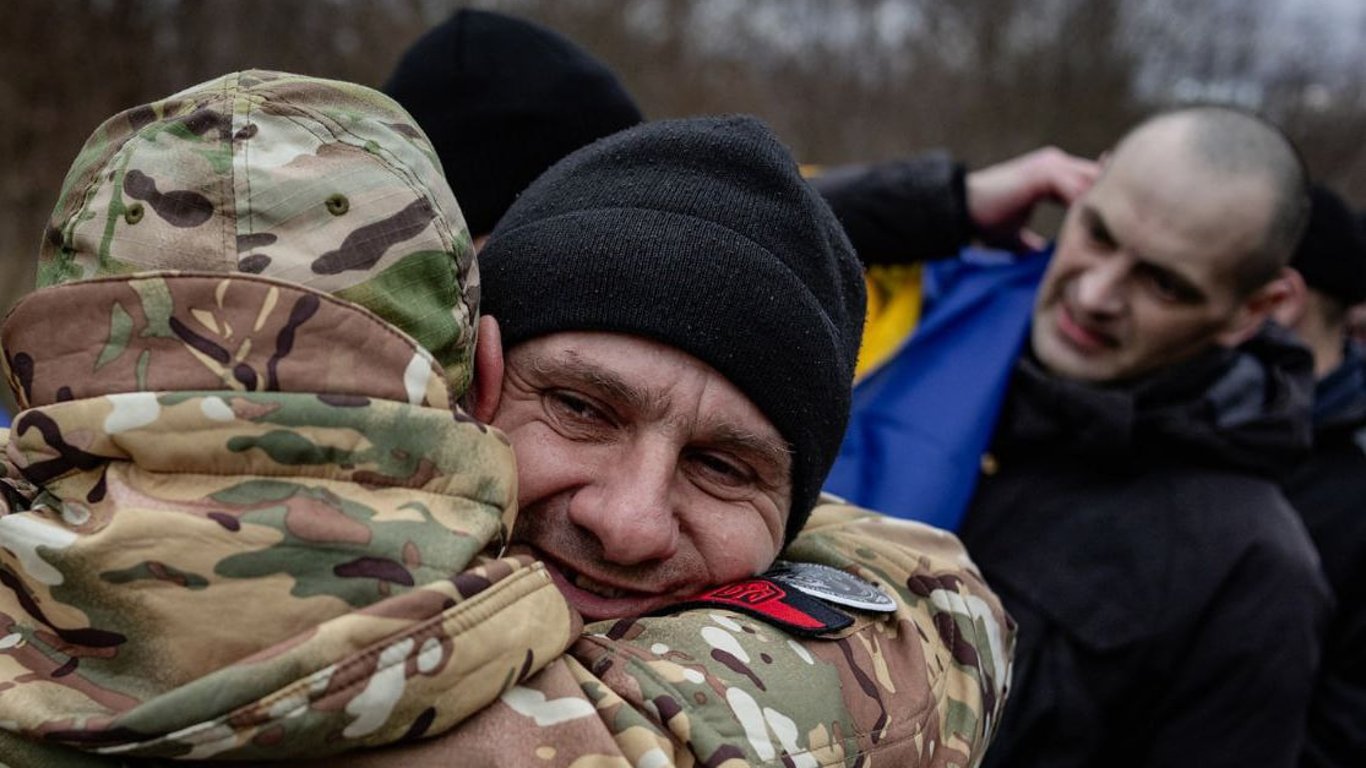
(1185, 287)
(773, 451)
(601, 379)
(1095, 222)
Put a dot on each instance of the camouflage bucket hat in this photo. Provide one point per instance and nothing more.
(321, 183)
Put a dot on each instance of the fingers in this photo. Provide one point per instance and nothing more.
(1055, 174)
(1001, 198)
(1031, 240)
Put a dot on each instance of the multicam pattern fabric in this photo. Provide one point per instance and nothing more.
(240, 521)
(227, 574)
(920, 687)
(923, 686)
(229, 569)
(321, 183)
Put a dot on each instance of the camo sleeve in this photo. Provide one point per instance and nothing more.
(923, 686)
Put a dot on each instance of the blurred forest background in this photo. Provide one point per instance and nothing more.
(840, 80)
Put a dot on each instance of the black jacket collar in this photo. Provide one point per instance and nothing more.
(1245, 409)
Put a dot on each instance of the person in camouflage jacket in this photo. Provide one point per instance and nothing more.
(244, 519)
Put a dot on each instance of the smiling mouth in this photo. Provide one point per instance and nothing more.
(1081, 336)
(593, 586)
(597, 600)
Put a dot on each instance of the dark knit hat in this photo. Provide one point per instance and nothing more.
(502, 99)
(700, 234)
(1332, 254)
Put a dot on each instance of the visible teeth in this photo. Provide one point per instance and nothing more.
(596, 587)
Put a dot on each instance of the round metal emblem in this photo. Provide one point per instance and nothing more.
(832, 584)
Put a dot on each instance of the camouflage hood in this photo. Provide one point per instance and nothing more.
(239, 518)
(319, 183)
(199, 570)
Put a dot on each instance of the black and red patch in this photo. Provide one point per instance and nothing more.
(771, 603)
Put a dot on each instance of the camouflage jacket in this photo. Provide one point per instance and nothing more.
(923, 686)
(240, 522)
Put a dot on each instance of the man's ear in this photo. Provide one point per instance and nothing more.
(487, 388)
(1291, 309)
(1257, 308)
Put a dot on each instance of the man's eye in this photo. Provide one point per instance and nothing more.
(573, 407)
(716, 468)
(1099, 236)
(1163, 286)
(1167, 287)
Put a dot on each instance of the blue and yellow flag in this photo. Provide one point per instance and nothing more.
(938, 350)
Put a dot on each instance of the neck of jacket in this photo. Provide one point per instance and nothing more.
(1245, 409)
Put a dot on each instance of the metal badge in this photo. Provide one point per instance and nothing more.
(831, 584)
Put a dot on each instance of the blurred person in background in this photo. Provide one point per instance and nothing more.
(1356, 315)
(1328, 488)
(1128, 510)
(1356, 325)
(502, 99)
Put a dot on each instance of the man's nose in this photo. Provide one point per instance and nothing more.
(1100, 288)
(629, 507)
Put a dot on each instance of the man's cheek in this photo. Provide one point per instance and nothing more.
(742, 554)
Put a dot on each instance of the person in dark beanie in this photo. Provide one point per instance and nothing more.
(679, 313)
(502, 99)
(700, 235)
(1332, 262)
(1328, 488)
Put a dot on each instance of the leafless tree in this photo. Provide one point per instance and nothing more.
(840, 81)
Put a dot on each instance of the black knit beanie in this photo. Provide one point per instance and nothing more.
(502, 99)
(1332, 254)
(700, 234)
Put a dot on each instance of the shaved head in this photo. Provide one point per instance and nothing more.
(1176, 248)
(1234, 144)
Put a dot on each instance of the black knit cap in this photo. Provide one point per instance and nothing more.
(1332, 254)
(701, 234)
(502, 99)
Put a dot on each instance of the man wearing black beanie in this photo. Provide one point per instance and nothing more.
(679, 313)
(702, 235)
(502, 99)
(1328, 486)
(698, 245)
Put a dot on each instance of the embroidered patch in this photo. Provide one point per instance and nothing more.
(772, 603)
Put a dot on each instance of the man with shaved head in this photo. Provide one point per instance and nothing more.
(1170, 605)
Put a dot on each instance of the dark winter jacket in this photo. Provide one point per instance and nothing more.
(901, 211)
(1170, 604)
(1328, 489)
